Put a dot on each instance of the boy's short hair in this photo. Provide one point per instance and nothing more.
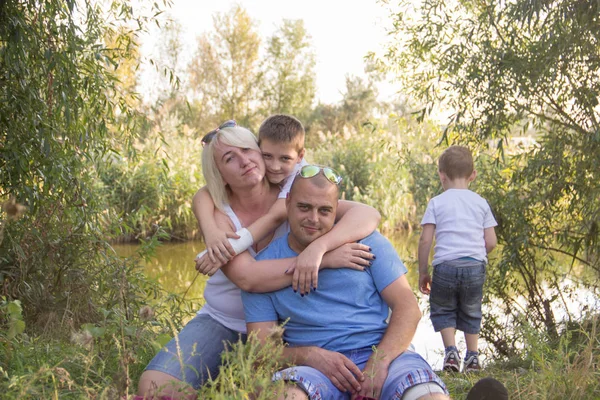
(456, 162)
(282, 128)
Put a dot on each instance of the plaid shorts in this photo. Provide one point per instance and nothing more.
(407, 370)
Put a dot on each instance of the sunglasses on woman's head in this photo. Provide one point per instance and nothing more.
(210, 135)
(308, 171)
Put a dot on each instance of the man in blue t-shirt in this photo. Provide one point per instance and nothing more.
(330, 333)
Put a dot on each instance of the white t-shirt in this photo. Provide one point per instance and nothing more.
(223, 298)
(286, 184)
(459, 216)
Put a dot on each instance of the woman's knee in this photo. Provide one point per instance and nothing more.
(156, 383)
(293, 392)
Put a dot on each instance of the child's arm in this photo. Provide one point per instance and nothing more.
(489, 236)
(246, 237)
(216, 240)
(269, 275)
(356, 221)
(269, 222)
(425, 242)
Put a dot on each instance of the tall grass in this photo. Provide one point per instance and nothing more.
(545, 369)
(105, 362)
(153, 189)
(370, 160)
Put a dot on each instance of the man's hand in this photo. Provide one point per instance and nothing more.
(205, 266)
(425, 283)
(375, 373)
(342, 372)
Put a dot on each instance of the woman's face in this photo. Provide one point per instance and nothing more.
(239, 167)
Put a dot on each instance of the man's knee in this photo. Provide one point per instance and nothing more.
(156, 383)
(425, 391)
(434, 396)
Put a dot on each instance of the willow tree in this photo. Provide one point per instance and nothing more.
(225, 73)
(289, 71)
(509, 68)
(61, 109)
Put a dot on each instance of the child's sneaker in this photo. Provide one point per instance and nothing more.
(472, 364)
(451, 361)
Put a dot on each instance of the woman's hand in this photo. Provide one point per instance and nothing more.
(218, 247)
(206, 266)
(306, 272)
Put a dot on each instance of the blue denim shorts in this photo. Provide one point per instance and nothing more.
(200, 344)
(456, 294)
(407, 370)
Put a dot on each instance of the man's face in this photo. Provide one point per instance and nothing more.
(311, 211)
(280, 159)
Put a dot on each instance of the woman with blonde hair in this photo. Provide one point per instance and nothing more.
(234, 171)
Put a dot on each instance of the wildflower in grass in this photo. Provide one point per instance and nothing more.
(146, 313)
(84, 339)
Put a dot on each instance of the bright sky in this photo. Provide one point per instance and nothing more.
(342, 32)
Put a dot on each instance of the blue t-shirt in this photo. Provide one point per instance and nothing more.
(345, 313)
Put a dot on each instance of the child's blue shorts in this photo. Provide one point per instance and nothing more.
(407, 370)
(456, 294)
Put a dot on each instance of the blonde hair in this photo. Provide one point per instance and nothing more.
(234, 136)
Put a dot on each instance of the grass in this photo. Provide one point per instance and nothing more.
(106, 363)
(567, 369)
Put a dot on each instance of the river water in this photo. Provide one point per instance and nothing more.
(173, 267)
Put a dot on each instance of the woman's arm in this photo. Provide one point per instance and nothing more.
(216, 240)
(269, 275)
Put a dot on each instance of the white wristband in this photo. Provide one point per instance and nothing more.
(238, 245)
(243, 242)
(203, 252)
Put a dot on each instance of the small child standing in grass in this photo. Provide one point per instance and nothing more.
(463, 225)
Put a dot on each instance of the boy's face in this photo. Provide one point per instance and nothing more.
(280, 159)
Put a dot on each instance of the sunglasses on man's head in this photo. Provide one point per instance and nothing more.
(308, 171)
(210, 135)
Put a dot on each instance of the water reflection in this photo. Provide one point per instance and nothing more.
(172, 266)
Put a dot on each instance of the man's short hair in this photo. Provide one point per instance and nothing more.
(318, 180)
(456, 162)
(282, 128)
